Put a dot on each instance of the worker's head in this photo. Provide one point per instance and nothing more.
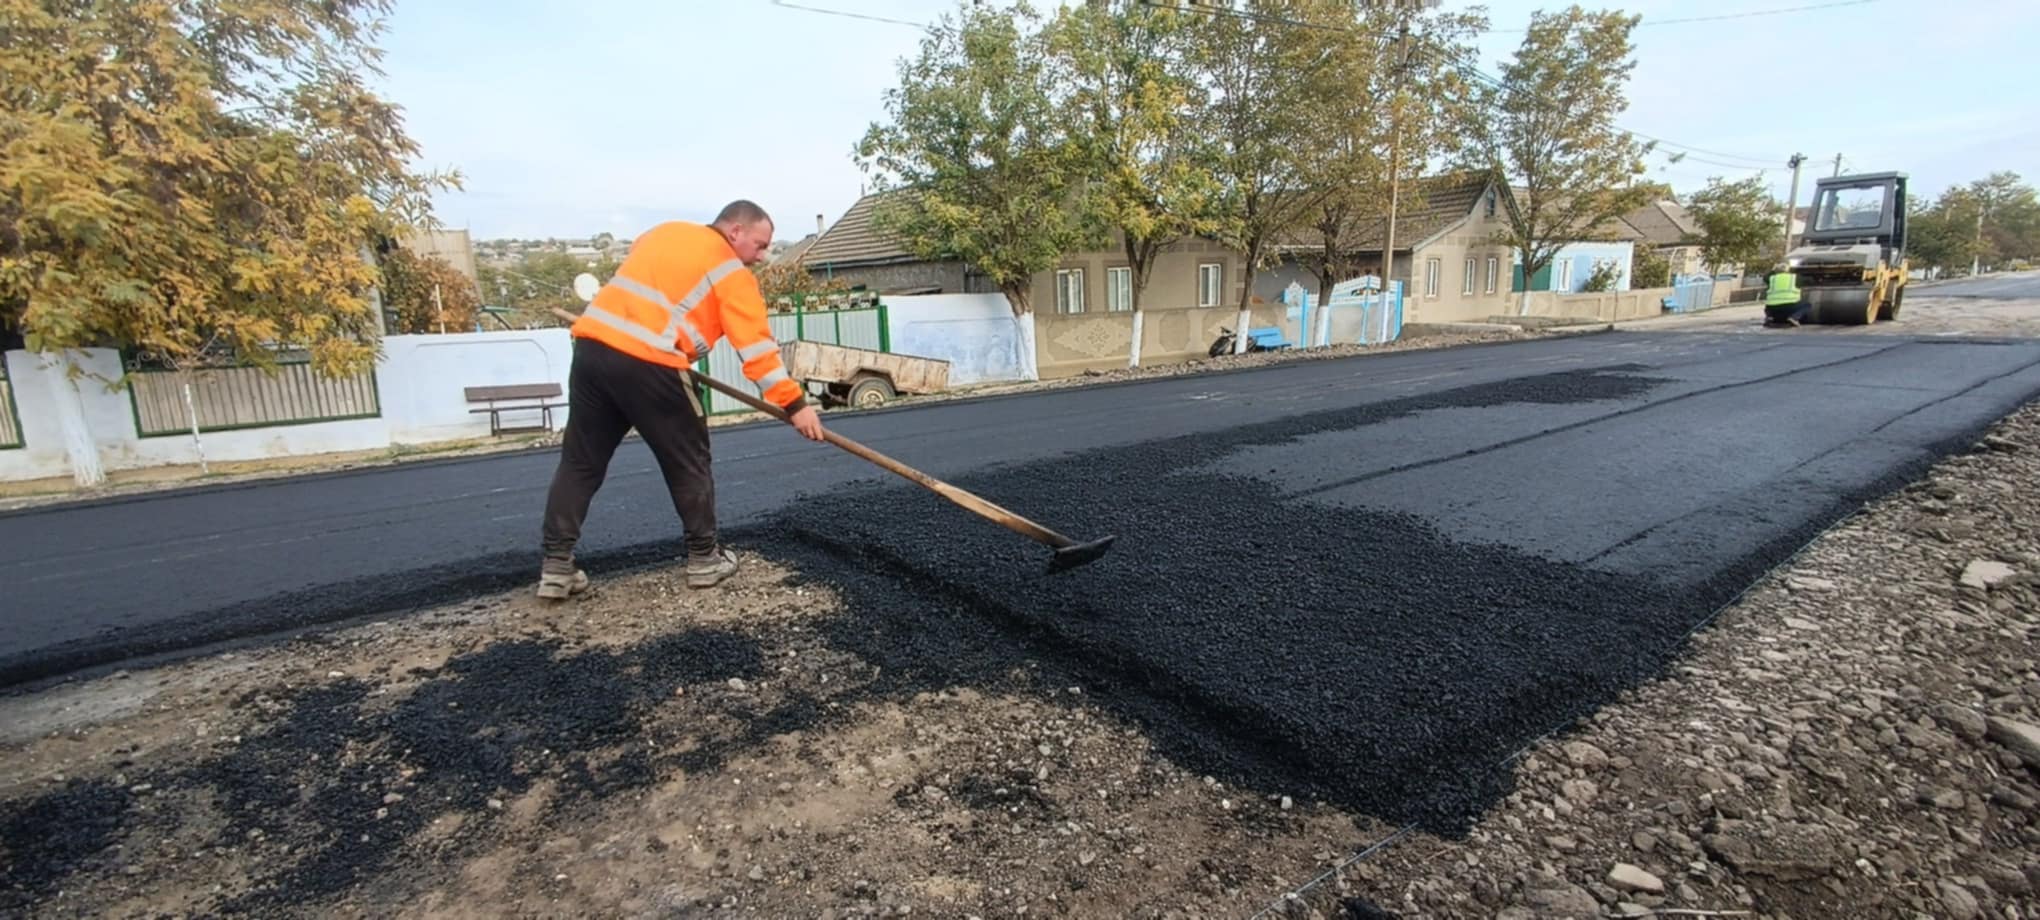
(748, 228)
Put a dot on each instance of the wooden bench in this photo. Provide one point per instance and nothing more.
(539, 397)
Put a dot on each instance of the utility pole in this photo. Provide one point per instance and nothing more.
(1976, 253)
(1838, 164)
(440, 307)
(1792, 202)
(1402, 44)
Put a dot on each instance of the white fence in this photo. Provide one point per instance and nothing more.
(975, 333)
(140, 420)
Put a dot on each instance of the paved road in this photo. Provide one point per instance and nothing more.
(2000, 286)
(1743, 438)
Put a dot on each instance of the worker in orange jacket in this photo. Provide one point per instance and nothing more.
(682, 287)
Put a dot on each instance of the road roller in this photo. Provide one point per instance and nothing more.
(1851, 263)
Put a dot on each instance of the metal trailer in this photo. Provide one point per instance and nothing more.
(861, 377)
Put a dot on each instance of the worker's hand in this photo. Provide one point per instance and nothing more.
(808, 422)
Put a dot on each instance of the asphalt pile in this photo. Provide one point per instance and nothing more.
(1360, 657)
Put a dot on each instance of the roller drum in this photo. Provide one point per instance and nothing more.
(1838, 306)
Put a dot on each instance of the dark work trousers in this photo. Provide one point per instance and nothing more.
(609, 393)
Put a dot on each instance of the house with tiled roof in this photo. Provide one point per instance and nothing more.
(1673, 233)
(1189, 273)
(1445, 253)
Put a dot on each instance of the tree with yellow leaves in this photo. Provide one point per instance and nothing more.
(199, 177)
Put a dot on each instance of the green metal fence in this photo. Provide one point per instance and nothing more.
(853, 327)
(10, 416)
(230, 398)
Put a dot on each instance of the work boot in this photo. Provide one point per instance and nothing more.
(559, 579)
(710, 570)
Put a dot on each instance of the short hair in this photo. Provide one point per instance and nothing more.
(742, 213)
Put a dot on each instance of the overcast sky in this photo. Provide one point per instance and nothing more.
(568, 119)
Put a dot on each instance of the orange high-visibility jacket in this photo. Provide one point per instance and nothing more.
(681, 288)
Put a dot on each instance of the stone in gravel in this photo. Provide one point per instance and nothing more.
(1789, 852)
(1632, 878)
(757, 874)
(1984, 573)
(1580, 791)
(1958, 902)
(1941, 798)
(1585, 756)
(1643, 840)
(1962, 720)
(2006, 880)
(1555, 899)
(2018, 737)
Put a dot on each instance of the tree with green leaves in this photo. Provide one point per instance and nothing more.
(543, 281)
(1648, 268)
(195, 182)
(426, 294)
(2007, 216)
(1382, 107)
(1258, 68)
(976, 159)
(1128, 92)
(1740, 223)
(178, 180)
(1549, 125)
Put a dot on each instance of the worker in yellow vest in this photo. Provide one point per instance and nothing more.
(683, 286)
(1783, 307)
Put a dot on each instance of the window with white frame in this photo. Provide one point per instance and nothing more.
(1118, 290)
(1561, 276)
(1210, 275)
(1432, 269)
(1467, 286)
(1494, 268)
(1069, 290)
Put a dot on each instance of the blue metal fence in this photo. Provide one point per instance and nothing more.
(1353, 315)
(1690, 293)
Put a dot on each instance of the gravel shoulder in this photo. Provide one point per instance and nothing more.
(1853, 738)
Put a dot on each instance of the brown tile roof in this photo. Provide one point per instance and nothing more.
(1614, 229)
(852, 240)
(1444, 199)
(1664, 223)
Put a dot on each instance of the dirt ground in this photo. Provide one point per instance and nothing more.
(1858, 737)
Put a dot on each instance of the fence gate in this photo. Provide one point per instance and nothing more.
(853, 327)
(1692, 292)
(1355, 314)
(10, 417)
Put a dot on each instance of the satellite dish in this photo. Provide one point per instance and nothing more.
(585, 286)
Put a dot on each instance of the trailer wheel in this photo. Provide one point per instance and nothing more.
(870, 392)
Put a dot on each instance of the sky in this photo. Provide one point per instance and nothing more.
(571, 119)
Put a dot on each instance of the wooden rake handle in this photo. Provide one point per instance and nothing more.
(967, 500)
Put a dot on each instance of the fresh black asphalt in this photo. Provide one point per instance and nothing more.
(1741, 441)
(1368, 581)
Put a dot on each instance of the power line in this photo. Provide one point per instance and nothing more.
(1284, 20)
(847, 14)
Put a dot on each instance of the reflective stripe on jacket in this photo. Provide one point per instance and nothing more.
(1784, 289)
(680, 289)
